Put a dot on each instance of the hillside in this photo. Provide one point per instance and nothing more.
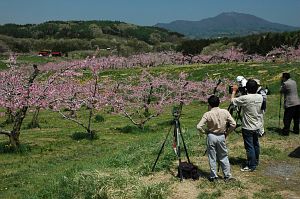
(68, 36)
(229, 24)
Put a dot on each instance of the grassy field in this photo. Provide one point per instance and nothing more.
(56, 161)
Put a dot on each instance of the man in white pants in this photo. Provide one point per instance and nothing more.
(219, 123)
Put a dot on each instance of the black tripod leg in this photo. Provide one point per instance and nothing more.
(177, 134)
(161, 149)
(205, 152)
(186, 152)
(239, 114)
(180, 170)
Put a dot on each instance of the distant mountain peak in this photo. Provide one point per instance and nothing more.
(226, 24)
(232, 13)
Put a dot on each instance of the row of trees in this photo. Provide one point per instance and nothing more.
(64, 87)
(116, 45)
(76, 85)
(88, 30)
(86, 35)
(232, 54)
(259, 44)
(252, 45)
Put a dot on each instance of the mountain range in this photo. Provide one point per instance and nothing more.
(228, 24)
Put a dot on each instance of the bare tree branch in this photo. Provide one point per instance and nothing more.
(73, 120)
(4, 132)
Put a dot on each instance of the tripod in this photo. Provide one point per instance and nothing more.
(235, 112)
(177, 136)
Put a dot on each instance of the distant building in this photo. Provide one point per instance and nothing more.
(44, 53)
(49, 53)
(56, 54)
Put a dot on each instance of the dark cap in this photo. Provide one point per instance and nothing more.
(286, 75)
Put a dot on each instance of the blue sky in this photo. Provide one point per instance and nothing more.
(144, 12)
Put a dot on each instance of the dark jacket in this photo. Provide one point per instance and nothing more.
(289, 90)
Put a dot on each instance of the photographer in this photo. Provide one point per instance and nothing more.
(251, 121)
(291, 104)
(216, 120)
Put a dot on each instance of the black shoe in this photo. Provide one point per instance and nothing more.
(215, 179)
(284, 133)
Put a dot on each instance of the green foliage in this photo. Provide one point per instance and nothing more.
(217, 46)
(99, 118)
(22, 149)
(126, 39)
(252, 44)
(67, 36)
(194, 46)
(3, 65)
(83, 135)
(265, 42)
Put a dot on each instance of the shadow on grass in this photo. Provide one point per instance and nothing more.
(83, 135)
(22, 149)
(237, 161)
(295, 153)
(203, 174)
(99, 118)
(134, 129)
(165, 123)
(274, 130)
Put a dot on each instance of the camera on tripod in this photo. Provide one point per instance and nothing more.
(176, 112)
(240, 91)
(242, 81)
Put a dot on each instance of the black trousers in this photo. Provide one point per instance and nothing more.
(291, 113)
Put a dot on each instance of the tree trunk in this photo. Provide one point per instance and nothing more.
(15, 133)
(14, 140)
(20, 115)
(90, 132)
(35, 120)
(73, 114)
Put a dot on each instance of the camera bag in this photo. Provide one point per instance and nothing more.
(189, 171)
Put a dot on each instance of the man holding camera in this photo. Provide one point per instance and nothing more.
(219, 123)
(251, 121)
(291, 104)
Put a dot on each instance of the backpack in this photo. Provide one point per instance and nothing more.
(188, 170)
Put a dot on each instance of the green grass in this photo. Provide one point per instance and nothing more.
(3, 65)
(58, 161)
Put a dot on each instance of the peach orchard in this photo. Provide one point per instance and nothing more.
(64, 87)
